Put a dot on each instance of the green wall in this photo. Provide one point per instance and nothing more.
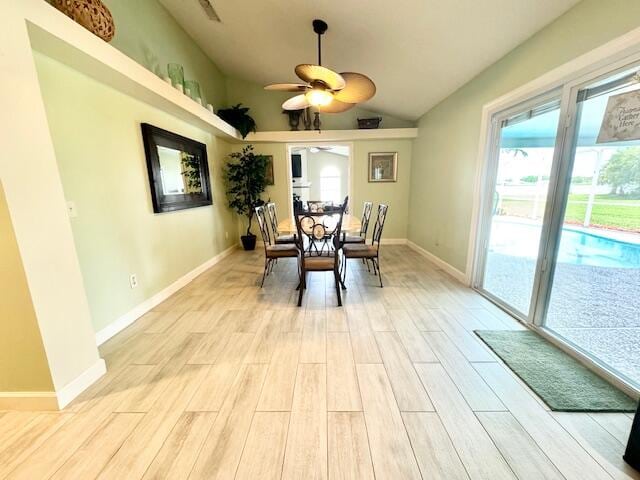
(396, 194)
(146, 32)
(23, 362)
(446, 149)
(96, 135)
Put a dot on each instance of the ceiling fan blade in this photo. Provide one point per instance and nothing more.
(299, 102)
(309, 73)
(336, 106)
(287, 87)
(359, 88)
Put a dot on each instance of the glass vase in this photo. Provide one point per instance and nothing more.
(192, 89)
(176, 74)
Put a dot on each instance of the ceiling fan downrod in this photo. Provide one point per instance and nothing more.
(320, 27)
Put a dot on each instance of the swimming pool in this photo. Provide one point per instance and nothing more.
(577, 247)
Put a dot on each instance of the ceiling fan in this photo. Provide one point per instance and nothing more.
(331, 92)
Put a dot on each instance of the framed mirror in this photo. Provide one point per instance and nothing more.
(178, 170)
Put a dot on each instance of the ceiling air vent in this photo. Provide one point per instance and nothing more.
(209, 10)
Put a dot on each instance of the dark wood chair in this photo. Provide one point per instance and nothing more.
(319, 226)
(364, 226)
(273, 252)
(368, 252)
(273, 219)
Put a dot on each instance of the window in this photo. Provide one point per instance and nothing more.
(559, 241)
(330, 184)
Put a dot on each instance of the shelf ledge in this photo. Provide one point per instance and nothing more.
(55, 35)
(332, 135)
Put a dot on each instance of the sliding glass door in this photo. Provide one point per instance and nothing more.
(516, 204)
(594, 290)
(559, 237)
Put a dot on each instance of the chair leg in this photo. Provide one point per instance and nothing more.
(264, 273)
(377, 262)
(338, 281)
(302, 287)
(342, 277)
(366, 260)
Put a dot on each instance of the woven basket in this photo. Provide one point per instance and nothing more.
(91, 14)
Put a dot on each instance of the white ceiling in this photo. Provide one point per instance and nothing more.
(417, 51)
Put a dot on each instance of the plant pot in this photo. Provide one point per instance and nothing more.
(248, 242)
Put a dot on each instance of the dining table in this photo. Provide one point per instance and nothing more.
(350, 224)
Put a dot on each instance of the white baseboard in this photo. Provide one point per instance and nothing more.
(454, 272)
(36, 401)
(131, 316)
(74, 388)
(393, 241)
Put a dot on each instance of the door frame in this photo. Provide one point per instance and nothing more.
(350, 168)
(617, 55)
(485, 214)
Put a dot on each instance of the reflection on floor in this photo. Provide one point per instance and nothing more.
(227, 380)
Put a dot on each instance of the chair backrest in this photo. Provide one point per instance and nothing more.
(379, 225)
(318, 206)
(273, 218)
(261, 215)
(318, 227)
(345, 205)
(366, 216)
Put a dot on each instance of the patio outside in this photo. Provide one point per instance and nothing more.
(595, 300)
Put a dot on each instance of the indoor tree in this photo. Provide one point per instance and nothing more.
(246, 181)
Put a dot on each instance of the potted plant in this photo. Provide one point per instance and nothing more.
(238, 117)
(246, 180)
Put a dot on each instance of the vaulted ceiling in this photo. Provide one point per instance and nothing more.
(417, 51)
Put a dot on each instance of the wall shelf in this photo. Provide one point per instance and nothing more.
(307, 136)
(57, 36)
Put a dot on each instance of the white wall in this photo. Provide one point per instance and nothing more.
(37, 206)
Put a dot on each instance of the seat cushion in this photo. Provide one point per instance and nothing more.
(285, 239)
(319, 263)
(360, 251)
(284, 250)
(353, 239)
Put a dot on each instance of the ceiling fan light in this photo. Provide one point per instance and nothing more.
(318, 97)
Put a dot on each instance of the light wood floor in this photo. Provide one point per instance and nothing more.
(227, 380)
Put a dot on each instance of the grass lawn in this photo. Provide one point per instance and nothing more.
(609, 211)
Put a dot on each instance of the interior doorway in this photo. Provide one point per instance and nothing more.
(319, 174)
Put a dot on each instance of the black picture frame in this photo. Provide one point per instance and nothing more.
(153, 137)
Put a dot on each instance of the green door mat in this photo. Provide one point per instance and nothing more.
(561, 381)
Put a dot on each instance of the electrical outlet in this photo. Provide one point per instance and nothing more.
(73, 211)
(133, 280)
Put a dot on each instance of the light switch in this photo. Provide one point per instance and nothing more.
(73, 211)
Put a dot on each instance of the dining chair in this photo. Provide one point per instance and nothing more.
(273, 218)
(369, 252)
(319, 226)
(364, 226)
(273, 252)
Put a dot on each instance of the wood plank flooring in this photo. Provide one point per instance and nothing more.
(226, 380)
